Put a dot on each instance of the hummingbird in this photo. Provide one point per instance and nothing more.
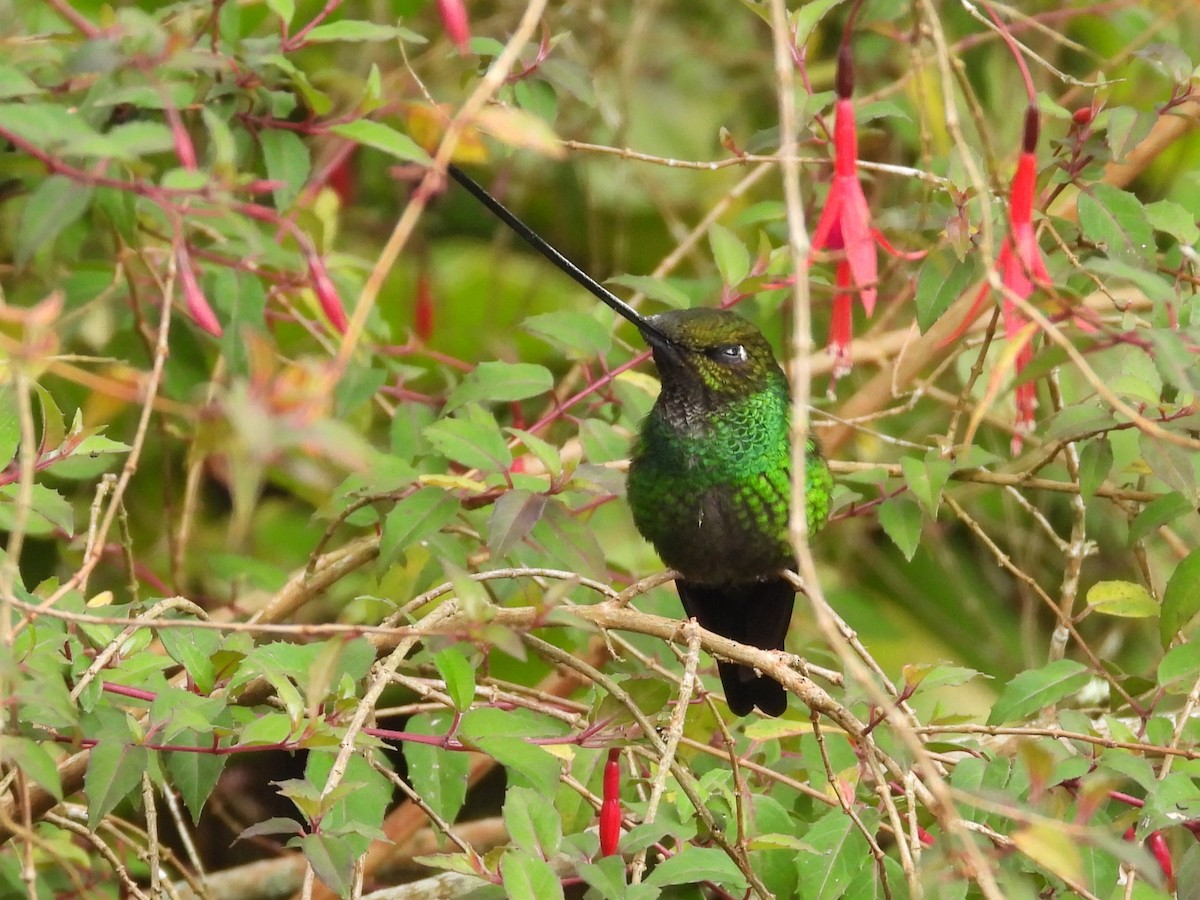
(709, 481)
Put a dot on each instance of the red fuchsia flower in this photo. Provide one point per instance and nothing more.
(456, 23)
(610, 805)
(1021, 267)
(845, 225)
(193, 298)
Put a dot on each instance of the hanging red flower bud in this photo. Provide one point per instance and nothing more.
(327, 294)
(610, 805)
(1157, 845)
(193, 298)
(456, 23)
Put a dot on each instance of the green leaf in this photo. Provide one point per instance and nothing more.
(500, 382)
(14, 83)
(438, 775)
(49, 511)
(57, 203)
(606, 877)
(285, 9)
(1179, 668)
(419, 515)
(332, 859)
(569, 540)
(1051, 848)
(287, 160)
(354, 31)
(579, 335)
(840, 854)
(114, 771)
(528, 878)
(1157, 513)
(1121, 598)
(195, 775)
(806, 17)
(513, 516)
(471, 438)
(532, 822)
(901, 519)
(1181, 599)
(1115, 221)
(693, 865)
(1095, 462)
(384, 138)
(1038, 688)
(32, 759)
(942, 280)
(926, 478)
(193, 648)
(659, 289)
(1174, 465)
(730, 253)
(459, 674)
(1171, 218)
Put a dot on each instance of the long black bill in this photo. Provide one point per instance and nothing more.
(505, 215)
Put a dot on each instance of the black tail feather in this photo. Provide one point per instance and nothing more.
(756, 613)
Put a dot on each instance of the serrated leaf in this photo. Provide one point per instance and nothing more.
(1115, 221)
(500, 382)
(659, 289)
(942, 280)
(384, 138)
(48, 511)
(458, 674)
(413, 519)
(54, 205)
(1121, 598)
(1172, 218)
(925, 479)
(1181, 599)
(902, 520)
(840, 854)
(287, 161)
(332, 859)
(730, 254)
(693, 865)
(193, 648)
(195, 775)
(513, 516)
(471, 438)
(533, 824)
(579, 335)
(527, 878)
(1036, 689)
(114, 771)
(438, 775)
(33, 760)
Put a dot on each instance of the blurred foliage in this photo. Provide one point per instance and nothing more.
(312, 479)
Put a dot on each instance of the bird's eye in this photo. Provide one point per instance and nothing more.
(729, 353)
